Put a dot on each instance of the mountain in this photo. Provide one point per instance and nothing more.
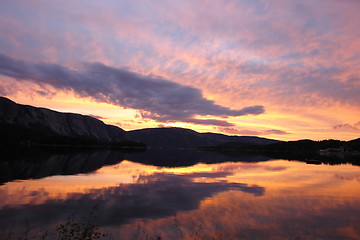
(21, 122)
(186, 138)
(24, 124)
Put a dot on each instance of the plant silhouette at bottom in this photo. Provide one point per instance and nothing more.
(85, 230)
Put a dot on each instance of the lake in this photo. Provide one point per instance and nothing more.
(180, 195)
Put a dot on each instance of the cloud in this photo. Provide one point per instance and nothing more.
(275, 131)
(234, 167)
(121, 124)
(297, 58)
(2, 90)
(154, 97)
(236, 131)
(348, 177)
(210, 122)
(96, 116)
(250, 132)
(347, 126)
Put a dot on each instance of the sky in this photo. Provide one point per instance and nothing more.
(279, 69)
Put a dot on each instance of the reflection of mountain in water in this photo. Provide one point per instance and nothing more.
(152, 196)
(188, 157)
(43, 164)
(34, 165)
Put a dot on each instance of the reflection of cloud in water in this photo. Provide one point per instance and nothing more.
(354, 177)
(152, 196)
(232, 167)
(284, 216)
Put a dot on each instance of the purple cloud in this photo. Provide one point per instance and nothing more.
(347, 126)
(236, 131)
(97, 116)
(275, 131)
(154, 97)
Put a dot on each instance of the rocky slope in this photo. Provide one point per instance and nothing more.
(42, 121)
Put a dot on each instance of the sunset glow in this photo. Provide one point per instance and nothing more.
(280, 69)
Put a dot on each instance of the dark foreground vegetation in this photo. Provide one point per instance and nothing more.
(86, 228)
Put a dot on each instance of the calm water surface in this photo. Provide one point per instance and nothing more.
(275, 199)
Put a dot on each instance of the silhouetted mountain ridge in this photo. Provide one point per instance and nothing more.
(34, 123)
(186, 138)
(24, 124)
(27, 124)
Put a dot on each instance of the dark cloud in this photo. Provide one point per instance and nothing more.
(155, 98)
(43, 93)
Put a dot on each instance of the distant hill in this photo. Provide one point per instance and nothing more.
(354, 144)
(186, 138)
(303, 146)
(312, 152)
